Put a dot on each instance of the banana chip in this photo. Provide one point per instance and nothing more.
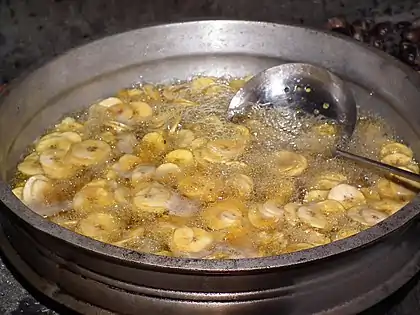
(199, 84)
(266, 215)
(344, 233)
(365, 215)
(224, 150)
(223, 214)
(397, 159)
(55, 164)
(200, 187)
(94, 196)
(69, 124)
(57, 141)
(18, 192)
(155, 142)
(100, 226)
(240, 185)
(141, 111)
(290, 164)
(327, 180)
(121, 112)
(348, 196)
(184, 139)
(290, 213)
(388, 205)
(190, 240)
(30, 165)
(36, 189)
(110, 101)
(395, 147)
(152, 197)
(313, 216)
(390, 190)
(130, 238)
(315, 195)
(180, 157)
(90, 152)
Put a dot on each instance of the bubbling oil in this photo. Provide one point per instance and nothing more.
(159, 169)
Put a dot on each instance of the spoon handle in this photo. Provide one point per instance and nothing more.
(379, 165)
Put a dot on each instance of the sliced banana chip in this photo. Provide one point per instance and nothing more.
(281, 189)
(141, 111)
(180, 157)
(122, 195)
(290, 213)
(223, 214)
(410, 184)
(181, 206)
(395, 147)
(330, 206)
(288, 163)
(184, 102)
(143, 172)
(69, 124)
(57, 141)
(152, 197)
(100, 226)
(126, 164)
(327, 180)
(370, 193)
(94, 196)
(121, 112)
(18, 192)
(325, 129)
(190, 240)
(266, 215)
(390, 190)
(175, 92)
(316, 238)
(315, 195)
(240, 185)
(199, 84)
(313, 216)
(167, 173)
(155, 142)
(388, 205)
(55, 164)
(225, 149)
(184, 138)
(90, 152)
(36, 189)
(117, 127)
(366, 216)
(110, 101)
(30, 165)
(126, 142)
(348, 196)
(130, 238)
(201, 187)
(271, 243)
(344, 233)
(151, 92)
(397, 159)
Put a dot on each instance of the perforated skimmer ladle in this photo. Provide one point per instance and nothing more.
(312, 90)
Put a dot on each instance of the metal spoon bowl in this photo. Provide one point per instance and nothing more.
(312, 90)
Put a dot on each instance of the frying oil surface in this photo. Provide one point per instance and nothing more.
(158, 169)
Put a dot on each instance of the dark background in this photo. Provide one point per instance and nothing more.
(33, 31)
